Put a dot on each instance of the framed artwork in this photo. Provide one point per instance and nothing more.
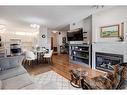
(110, 31)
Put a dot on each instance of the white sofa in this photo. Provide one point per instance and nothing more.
(13, 75)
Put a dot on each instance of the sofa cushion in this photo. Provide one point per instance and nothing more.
(10, 62)
(4, 64)
(15, 61)
(0, 84)
(17, 82)
(12, 72)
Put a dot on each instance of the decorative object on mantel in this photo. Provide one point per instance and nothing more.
(110, 31)
(121, 38)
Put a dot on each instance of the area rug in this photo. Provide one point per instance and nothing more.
(52, 80)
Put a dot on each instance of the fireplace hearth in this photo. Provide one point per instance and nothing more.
(106, 61)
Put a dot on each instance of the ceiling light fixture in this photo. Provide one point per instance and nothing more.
(24, 33)
(35, 26)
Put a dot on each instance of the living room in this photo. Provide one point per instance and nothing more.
(57, 50)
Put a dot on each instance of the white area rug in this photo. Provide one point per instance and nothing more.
(51, 80)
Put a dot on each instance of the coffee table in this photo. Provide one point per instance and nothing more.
(83, 73)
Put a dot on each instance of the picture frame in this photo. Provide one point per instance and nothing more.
(110, 31)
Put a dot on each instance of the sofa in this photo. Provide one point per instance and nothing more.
(13, 75)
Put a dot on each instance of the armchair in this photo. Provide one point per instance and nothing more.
(115, 80)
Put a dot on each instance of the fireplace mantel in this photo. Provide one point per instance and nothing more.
(109, 47)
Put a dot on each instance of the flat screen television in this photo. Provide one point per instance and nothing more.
(75, 35)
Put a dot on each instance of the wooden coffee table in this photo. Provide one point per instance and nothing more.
(83, 73)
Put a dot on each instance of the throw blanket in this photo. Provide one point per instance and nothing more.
(101, 82)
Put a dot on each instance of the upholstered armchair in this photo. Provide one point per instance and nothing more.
(114, 80)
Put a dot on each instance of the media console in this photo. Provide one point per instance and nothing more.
(80, 54)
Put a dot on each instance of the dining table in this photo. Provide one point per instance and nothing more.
(40, 54)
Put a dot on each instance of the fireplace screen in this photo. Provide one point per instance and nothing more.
(106, 61)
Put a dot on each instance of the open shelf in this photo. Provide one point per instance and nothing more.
(80, 54)
(80, 57)
(81, 50)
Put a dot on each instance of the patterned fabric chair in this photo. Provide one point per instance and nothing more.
(115, 80)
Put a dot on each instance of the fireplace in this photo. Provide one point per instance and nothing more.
(106, 61)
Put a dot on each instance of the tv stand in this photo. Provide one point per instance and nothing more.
(80, 54)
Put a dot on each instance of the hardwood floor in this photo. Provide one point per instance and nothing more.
(61, 66)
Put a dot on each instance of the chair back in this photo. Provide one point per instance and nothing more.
(49, 54)
(121, 75)
(30, 55)
(115, 80)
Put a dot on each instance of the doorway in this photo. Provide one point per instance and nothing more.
(51, 43)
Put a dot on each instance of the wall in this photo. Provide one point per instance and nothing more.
(87, 27)
(57, 39)
(28, 41)
(60, 36)
(77, 24)
(27, 38)
(86, 24)
(44, 42)
(111, 16)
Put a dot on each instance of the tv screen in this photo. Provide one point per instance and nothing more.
(75, 35)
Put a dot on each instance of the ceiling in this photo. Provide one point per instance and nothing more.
(54, 17)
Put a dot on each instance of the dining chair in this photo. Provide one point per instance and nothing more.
(48, 56)
(30, 57)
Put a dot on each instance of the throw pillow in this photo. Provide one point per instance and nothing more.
(101, 82)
